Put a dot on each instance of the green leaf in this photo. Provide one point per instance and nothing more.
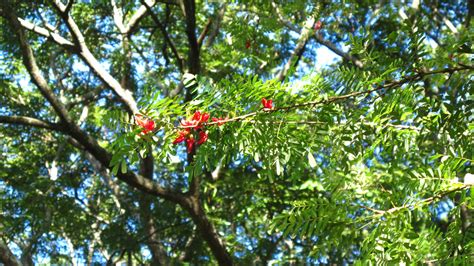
(278, 167)
(311, 160)
(123, 169)
(143, 152)
(115, 169)
(189, 80)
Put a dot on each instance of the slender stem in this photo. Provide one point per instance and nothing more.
(428, 200)
(311, 104)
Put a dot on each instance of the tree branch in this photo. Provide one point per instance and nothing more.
(68, 6)
(90, 144)
(46, 33)
(159, 255)
(282, 19)
(85, 98)
(29, 121)
(331, 46)
(446, 21)
(141, 12)
(29, 249)
(6, 255)
(319, 38)
(204, 32)
(207, 231)
(389, 84)
(421, 202)
(188, 248)
(83, 51)
(216, 25)
(132, 24)
(137, 181)
(32, 67)
(179, 59)
(299, 49)
(118, 17)
(189, 10)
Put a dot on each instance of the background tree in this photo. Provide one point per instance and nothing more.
(365, 158)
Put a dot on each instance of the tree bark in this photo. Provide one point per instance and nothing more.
(6, 256)
(208, 231)
(299, 49)
(85, 54)
(194, 67)
(159, 255)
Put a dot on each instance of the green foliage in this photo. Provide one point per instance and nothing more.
(362, 166)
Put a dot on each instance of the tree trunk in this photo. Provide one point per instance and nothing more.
(6, 256)
(207, 231)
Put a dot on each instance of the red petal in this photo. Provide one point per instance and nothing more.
(202, 137)
(179, 139)
(205, 117)
(267, 104)
(147, 124)
(150, 125)
(181, 136)
(190, 145)
(197, 116)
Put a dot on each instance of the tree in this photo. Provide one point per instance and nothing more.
(165, 132)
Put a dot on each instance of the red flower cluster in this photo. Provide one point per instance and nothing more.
(267, 104)
(195, 121)
(194, 124)
(146, 124)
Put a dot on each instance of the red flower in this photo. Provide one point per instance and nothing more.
(181, 136)
(247, 44)
(200, 118)
(195, 123)
(190, 144)
(196, 120)
(202, 137)
(220, 121)
(148, 125)
(196, 116)
(318, 25)
(204, 117)
(267, 104)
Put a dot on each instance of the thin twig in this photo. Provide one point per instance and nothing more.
(168, 40)
(311, 104)
(421, 202)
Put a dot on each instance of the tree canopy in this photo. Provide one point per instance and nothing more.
(236, 132)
